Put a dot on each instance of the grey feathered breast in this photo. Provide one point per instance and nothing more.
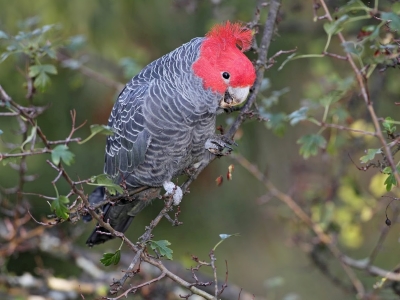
(161, 121)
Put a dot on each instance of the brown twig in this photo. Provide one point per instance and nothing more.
(365, 95)
(299, 212)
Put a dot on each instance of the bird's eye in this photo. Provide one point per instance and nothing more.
(226, 75)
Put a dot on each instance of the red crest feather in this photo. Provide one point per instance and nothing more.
(232, 34)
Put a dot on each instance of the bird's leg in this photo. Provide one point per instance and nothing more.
(219, 145)
(174, 190)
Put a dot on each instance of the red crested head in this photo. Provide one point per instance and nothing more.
(222, 64)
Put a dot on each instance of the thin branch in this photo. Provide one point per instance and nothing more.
(135, 288)
(365, 95)
(299, 212)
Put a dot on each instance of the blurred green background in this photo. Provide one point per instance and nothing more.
(268, 258)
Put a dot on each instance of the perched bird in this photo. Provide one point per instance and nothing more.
(164, 118)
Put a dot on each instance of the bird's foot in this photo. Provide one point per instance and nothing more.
(219, 145)
(174, 190)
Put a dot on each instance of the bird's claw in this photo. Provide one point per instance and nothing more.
(220, 145)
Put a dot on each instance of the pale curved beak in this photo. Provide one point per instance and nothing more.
(234, 96)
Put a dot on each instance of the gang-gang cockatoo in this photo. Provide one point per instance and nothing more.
(164, 118)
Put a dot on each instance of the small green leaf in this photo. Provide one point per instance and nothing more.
(41, 81)
(389, 182)
(331, 97)
(310, 144)
(370, 155)
(60, 208)
(40, 72)
(223, 237)
(77, 42)
(4, 56)
(352, 5)
(391, 179)
(274, 98)
(394, 19)
(98, 129)
(161, 247)
(353, 48)
(61, 152)
(130, 67)
(51, 69)
(3, 35)
(104, 180)
(388, 125)
(9, 160)
(298, 115)
(34, 70)
(265, 84)
(335, 27)
(276, 122)
(109, 259)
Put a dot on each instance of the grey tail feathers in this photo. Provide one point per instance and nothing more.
(118, 215)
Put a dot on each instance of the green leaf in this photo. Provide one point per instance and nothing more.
(104, 180)
(276, 122)
(9, 160)
(265, 84)
(370, 155)
(3, 35)
(391, 179)
(394, 19)
(390, 182)
(310, 144)
(61, 152)
(352, 5)
(98, 129)
(40, 72)
(34, 70)
(4, 56)
(50, 69)
(223, 237)
(388, 125)
(109, 259)
(353, 48)
(76, 42)
(298, 115)
(331, 97)
(130, 67)
(335, 27)
(274, 98)
(161, 247)
(41, 81)
(60, 208)
(71, 63)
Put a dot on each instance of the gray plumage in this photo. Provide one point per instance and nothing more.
(161, 120)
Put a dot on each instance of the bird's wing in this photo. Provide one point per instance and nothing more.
(126, 148)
